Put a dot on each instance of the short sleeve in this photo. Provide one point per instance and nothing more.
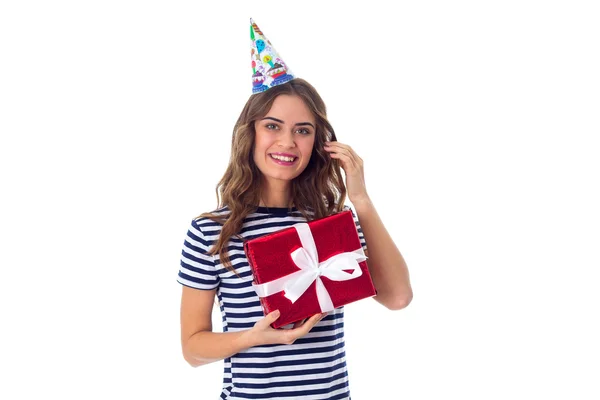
(358, 228)
(197, 268)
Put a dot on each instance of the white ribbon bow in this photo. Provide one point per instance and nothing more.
(306, 258)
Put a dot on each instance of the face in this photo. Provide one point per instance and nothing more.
(287, 130)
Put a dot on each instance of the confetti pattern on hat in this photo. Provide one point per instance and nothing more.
(268, 69)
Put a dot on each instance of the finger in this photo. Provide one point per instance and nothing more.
(345, 158)
(319, 317)
(299, 323)
(337, 146)
(272, 317)
(347, 152)
(313, 321)
(339, 149)
(303, 329)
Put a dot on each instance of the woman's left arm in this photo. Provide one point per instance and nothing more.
(386, 265)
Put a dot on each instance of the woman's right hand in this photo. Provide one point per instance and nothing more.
(263, 333)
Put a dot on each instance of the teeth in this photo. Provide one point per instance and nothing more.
(282, 158)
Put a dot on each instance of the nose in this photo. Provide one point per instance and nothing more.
(286, 139)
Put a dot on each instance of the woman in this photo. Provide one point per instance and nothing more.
(284, 169)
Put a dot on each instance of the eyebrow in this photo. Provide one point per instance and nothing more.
(281, 122)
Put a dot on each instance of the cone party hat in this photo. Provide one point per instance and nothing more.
(268, 69)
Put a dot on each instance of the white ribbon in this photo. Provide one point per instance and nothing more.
(306, 258)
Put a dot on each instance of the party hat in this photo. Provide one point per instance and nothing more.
(268, 69)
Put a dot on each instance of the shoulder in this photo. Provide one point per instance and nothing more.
(208, 226)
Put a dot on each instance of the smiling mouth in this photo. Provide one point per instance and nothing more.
(285, 159)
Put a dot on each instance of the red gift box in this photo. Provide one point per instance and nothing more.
(309, 268)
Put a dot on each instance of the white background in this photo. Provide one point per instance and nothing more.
(476, 122)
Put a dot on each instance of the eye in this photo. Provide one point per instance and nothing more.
(304, 130)
(271, 126)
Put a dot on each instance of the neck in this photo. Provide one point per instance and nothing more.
(276, 204)
(276, 196)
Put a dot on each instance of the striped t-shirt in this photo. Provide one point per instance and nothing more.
(314, 366)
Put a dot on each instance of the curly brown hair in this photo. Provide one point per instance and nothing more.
(319, 188)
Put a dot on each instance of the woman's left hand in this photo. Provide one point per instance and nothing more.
(353, 167)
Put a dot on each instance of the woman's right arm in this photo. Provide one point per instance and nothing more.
(200, 345)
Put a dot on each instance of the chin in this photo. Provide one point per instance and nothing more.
(283, 177)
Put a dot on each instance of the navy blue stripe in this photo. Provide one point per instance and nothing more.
(310, 340)
(287, 363)
(196, 249)
(233, 257)
(319, 339)
(238, 267)
(241, 325)
(269, 375)
(281, 224)
(209, 223)
(238, 285)
(199, 281)
(238, 295)
(291, 383)
(314, 350)
(207, 271)
(290, 394)
(327, 327)
(244, 315)
(242, 305)
(196, 287)
(198, 238)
